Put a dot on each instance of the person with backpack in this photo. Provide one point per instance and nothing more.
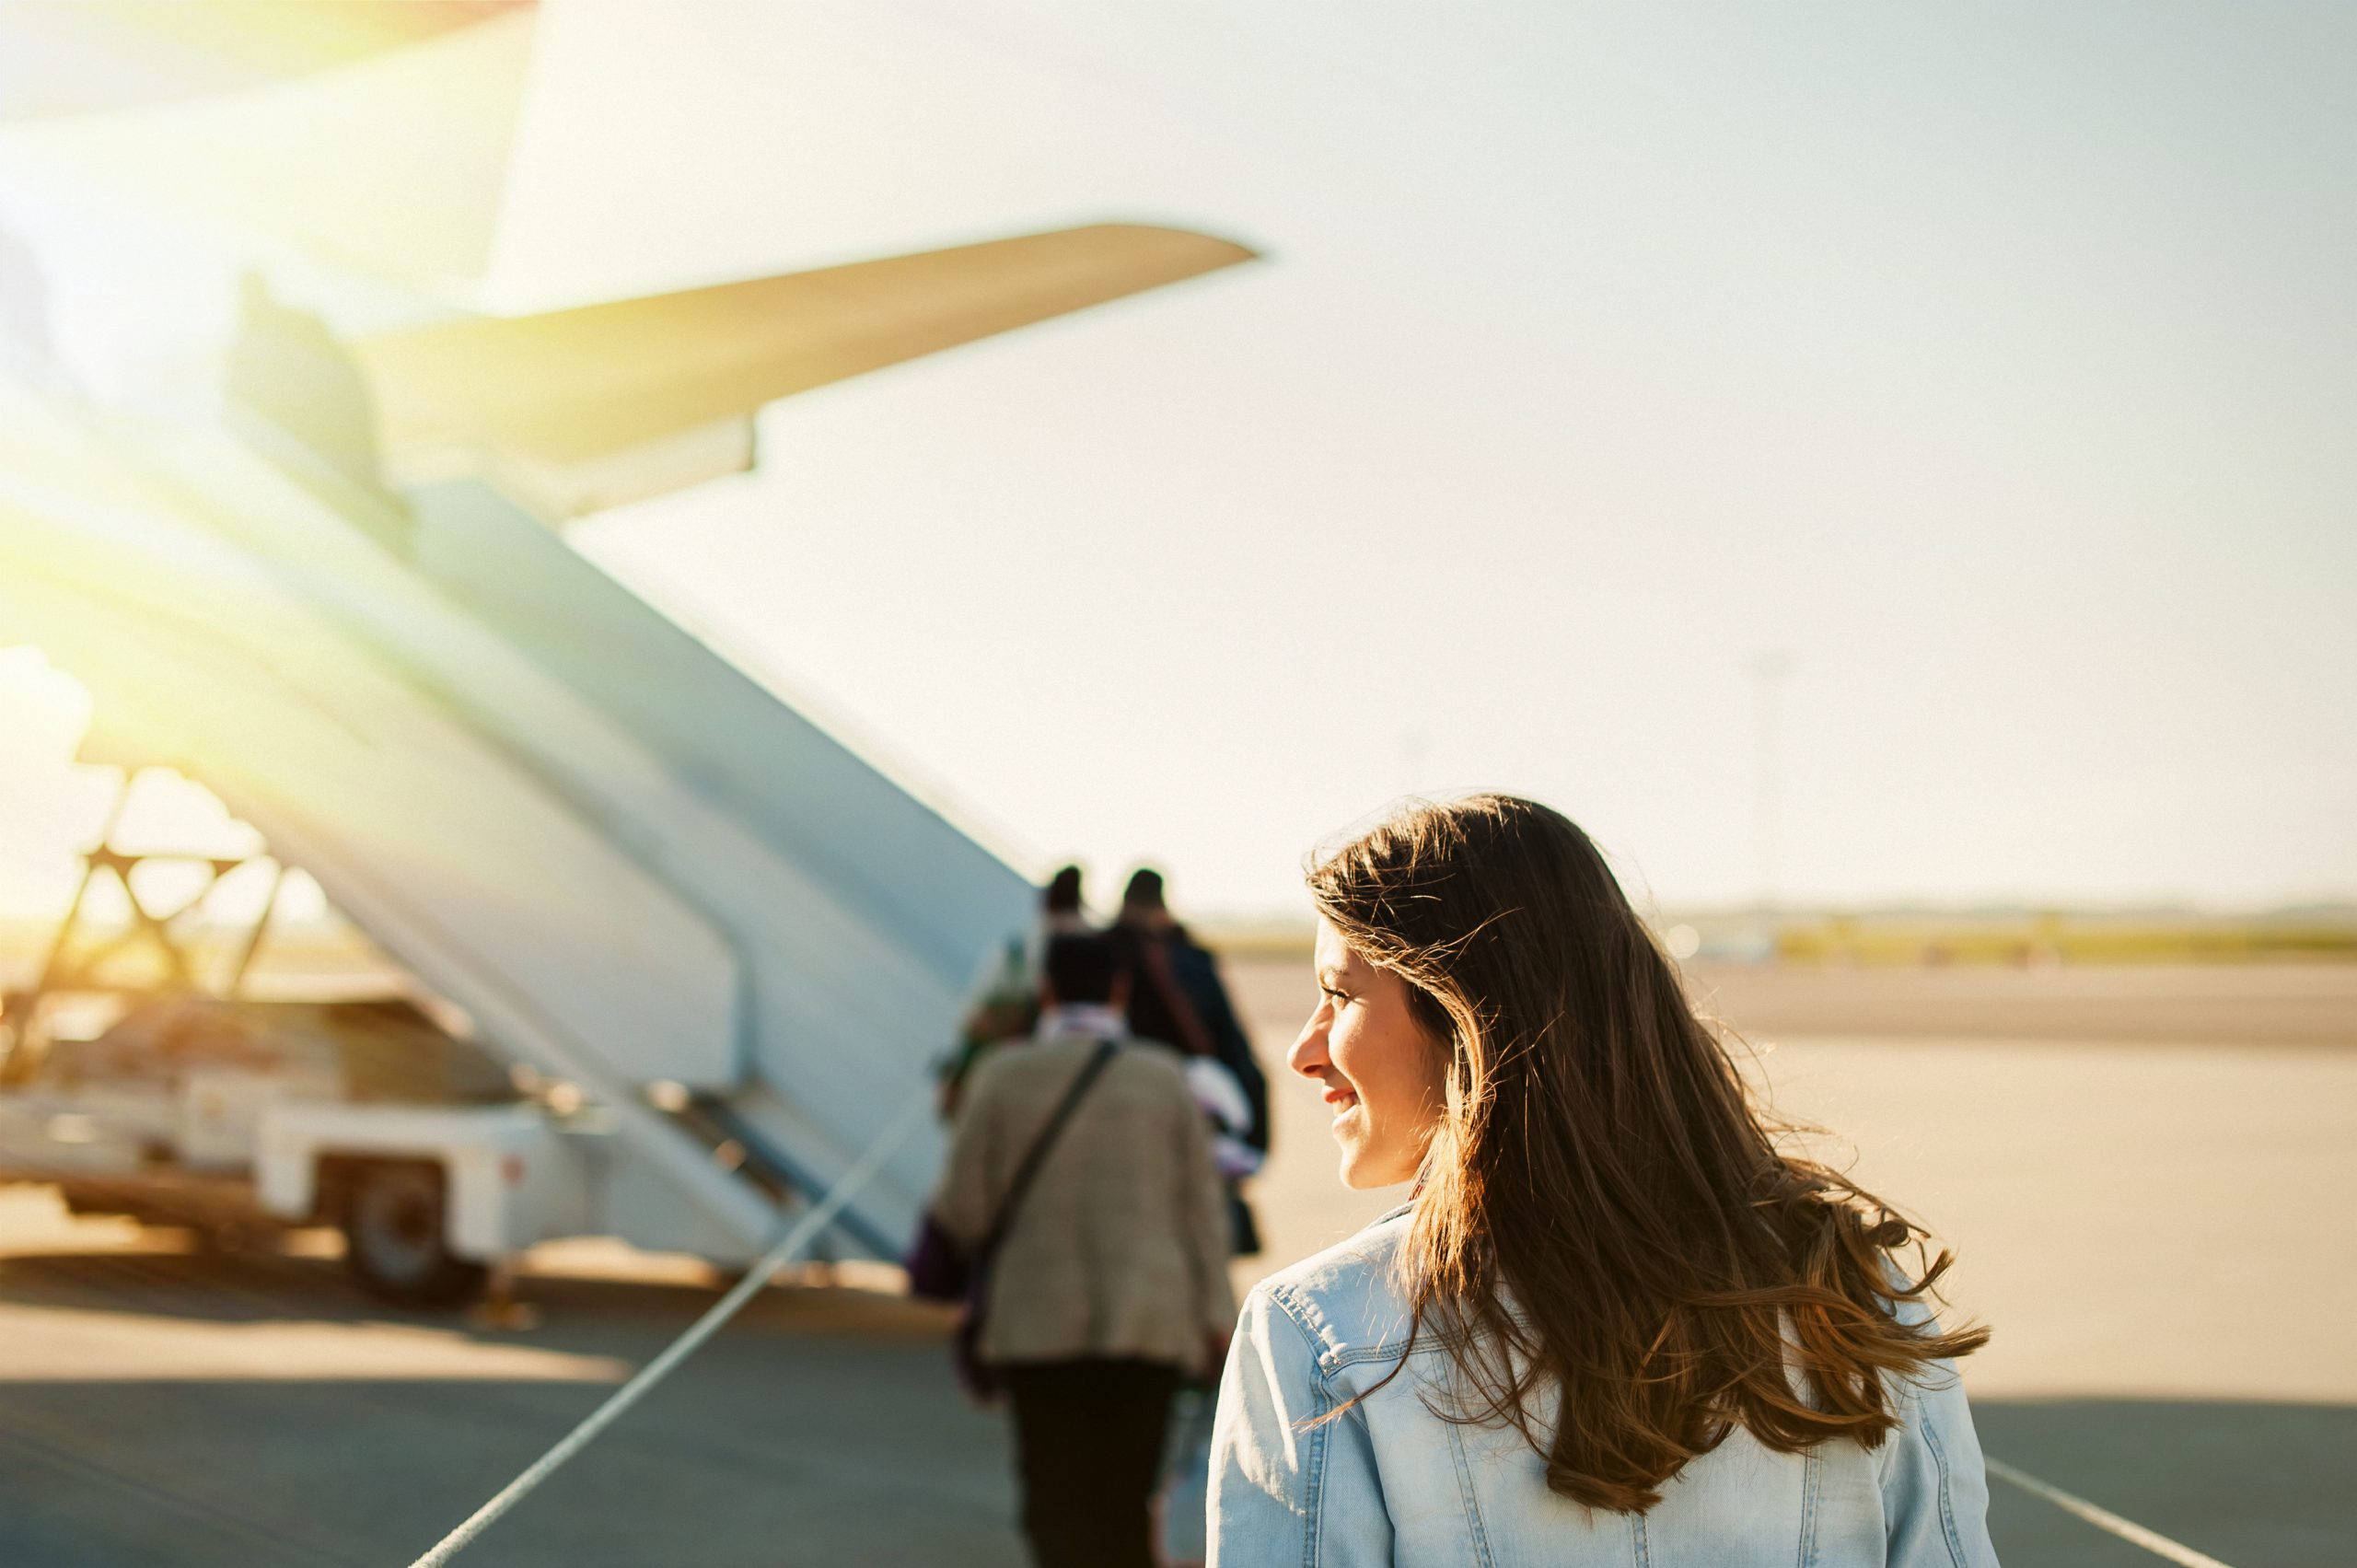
(1177, 999)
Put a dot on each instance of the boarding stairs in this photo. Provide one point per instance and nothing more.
(635, 867)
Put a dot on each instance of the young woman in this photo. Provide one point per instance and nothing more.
(1618, 1322)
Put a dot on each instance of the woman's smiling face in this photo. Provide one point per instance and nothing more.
(1383, 1073)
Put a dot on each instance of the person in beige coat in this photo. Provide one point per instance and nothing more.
(1110, 1282)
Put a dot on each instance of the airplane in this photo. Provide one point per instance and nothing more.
(723, 945)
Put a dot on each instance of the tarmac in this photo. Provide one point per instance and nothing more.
(2142, 1171)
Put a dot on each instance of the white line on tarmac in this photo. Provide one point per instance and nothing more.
(2128, 1530)
(814, 1220)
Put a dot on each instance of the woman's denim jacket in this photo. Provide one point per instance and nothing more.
(1389, 1482)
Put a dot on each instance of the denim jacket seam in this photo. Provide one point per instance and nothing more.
(1465, 1491)
(1812, 1480)
(1389, 1350)
(1332, 1351)
(1308, 1320)
(1947, 1502)
(1313, 1470)
(1313, 1492)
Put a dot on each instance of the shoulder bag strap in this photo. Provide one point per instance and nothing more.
(1037, 1154)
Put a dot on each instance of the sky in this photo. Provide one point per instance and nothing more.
(1990, 371)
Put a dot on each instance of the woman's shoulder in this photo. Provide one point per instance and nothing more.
(1349, 1301)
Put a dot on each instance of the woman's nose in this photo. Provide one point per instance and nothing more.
(1307, 1056)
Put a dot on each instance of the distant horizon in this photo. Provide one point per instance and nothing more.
(20, 917)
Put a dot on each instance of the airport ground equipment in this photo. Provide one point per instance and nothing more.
(637, 871)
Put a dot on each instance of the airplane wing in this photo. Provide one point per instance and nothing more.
(587, 407)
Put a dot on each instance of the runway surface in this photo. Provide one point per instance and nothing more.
(2143, 1171)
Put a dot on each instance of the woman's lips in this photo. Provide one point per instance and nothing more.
(1343, 1101)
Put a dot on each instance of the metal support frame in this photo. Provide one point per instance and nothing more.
(64, 971)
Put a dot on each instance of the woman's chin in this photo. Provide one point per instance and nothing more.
(1365, 1170)
(1365, 1165)
(1361, 1174)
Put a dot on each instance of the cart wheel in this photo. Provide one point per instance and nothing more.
(394, 1239)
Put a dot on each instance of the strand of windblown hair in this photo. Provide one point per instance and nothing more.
(805, 1230)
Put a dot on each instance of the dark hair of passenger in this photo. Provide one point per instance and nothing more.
(1063, 896)
(1145, 890)
(1083, 967)
(1600, 1164)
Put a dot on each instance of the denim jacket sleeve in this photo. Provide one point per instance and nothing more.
(1934, 1485)
(1289, 1489)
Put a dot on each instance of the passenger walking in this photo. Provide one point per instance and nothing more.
(1617, 1322)
(1006, 1002)
(1178, 998)
(1105, 1274)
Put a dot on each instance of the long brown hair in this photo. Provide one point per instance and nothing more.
(1604, 1210)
